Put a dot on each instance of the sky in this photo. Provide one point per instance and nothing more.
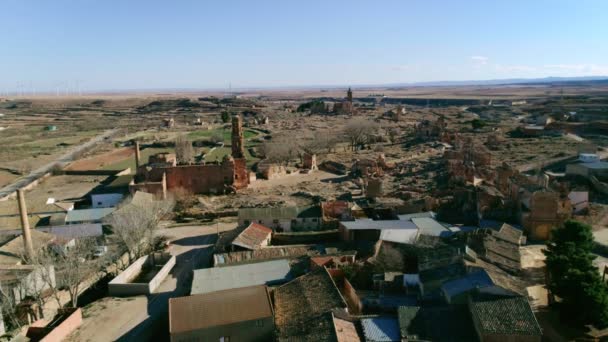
(135, 44)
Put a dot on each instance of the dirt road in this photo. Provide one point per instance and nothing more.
(143, 318)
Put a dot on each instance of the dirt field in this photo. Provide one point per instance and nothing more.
(6, 177)
(101, 160)
(61, 188)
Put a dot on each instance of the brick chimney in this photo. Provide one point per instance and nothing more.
(137, 156)
(25, 226)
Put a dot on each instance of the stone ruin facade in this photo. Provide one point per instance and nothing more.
(346, 106)
(370, 167)
(162, 174)
(309, 162)
(431, 130)
(548, 210)
(168, 123)
(469, 162)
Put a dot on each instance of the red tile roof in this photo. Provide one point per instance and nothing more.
(253, 236)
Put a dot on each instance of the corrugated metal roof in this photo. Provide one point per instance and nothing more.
(88, 215)
(218, 308)
(429, 226)
(417, 215)
(232, 277)
(75, 230)
(399, 235)
(477, 279)
(381, 329)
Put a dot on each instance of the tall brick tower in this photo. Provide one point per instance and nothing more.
(238, 148)
(349, 95)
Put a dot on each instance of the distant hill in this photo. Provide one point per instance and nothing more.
(509, 81)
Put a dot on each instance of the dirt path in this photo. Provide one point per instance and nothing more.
(62, 161)
(142, 318)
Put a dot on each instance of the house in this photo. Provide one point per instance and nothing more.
(579, 201)
(346, 330)
(12, 252)
(456, 291)
(548, 210)
(21, 281)
(303, 307)
(283, 219)
(332, 261)
(112, 194)
(81, 216)
(444, 323)
(371, 230)
(264, 254)
(588, 158)
(588, 169)
(255, 236)
(242, 314)
(381, 329)
(432, 279)
(500, 318)
(231, 277)
(406, 229)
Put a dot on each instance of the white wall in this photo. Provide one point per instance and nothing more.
(106, 200)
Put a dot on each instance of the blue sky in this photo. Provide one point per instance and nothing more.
(120, 44)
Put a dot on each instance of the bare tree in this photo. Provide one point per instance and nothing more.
(321, 141)
(135, 225)
(358, 132)
(281, 149)
(9, 307)
(183, 150)
(393, 134)
(73, 267)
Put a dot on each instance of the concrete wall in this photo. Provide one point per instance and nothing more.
(70, 323)
(260, 330)
(121, 285)
(106, 200)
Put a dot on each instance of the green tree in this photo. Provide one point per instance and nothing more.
(477, 123)
(226, 116)
(573, 277)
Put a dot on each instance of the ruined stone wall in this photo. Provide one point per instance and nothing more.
(200, 179)
(241, 175)
(310, 161)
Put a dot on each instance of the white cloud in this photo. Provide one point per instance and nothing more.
(401, 67)
(482, 60)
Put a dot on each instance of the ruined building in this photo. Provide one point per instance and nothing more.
(469, 162)
(238, 148)
(431, 130)
(548, 210)
(346, 106)
(162, 174)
